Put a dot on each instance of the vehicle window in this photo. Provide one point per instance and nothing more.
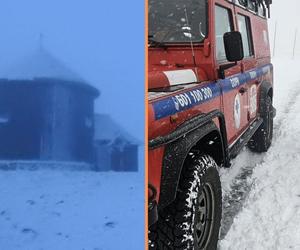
(223, 24)
(177, 21)
(245, 29)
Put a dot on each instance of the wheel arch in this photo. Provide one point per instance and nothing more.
(266, 89)
(206, 139)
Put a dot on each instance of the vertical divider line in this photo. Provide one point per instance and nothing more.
(146, 124)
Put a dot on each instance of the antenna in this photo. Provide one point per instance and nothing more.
(190, 36)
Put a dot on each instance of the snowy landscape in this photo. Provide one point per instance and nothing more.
(55, 209)
(261, 193)
(66, 206)
(78, 210)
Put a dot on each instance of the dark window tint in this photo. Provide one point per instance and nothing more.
(177, 21)
(245, 29)
(223, 24)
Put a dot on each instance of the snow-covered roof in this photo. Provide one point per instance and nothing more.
(107, 129)
(40, 64)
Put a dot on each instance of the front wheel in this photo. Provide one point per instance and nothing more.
(193, 220)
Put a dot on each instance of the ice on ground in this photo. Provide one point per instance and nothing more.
(269, 216)
(49, 209)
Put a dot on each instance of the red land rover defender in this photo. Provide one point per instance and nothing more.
(210, 94)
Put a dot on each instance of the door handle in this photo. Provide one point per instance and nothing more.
(242, 90)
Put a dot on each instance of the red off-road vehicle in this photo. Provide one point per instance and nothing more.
(210, 94)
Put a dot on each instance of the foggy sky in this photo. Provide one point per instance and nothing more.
(103, 41)
(287, 15)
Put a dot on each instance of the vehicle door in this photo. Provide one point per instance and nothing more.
(249, 64)
(234, 97)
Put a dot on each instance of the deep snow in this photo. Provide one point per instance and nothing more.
(262, 192)
(62, 210)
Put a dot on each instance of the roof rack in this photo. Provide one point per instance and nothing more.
(268, 3)
(250, 4)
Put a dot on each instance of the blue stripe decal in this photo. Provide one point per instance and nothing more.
(186, 100)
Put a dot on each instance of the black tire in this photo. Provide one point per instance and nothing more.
(184, 224)
(262, 139)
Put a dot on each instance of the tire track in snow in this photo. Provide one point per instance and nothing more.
(234, 198)
(293, 99)
(240, 187)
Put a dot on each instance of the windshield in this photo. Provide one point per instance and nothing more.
(177, 21)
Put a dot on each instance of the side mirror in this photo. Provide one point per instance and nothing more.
(233, 44)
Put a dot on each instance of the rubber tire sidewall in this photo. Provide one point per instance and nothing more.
(175, 229)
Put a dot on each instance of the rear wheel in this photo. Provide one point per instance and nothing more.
(262, 139)
(192, 221)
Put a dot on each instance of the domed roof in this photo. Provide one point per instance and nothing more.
(40, 64)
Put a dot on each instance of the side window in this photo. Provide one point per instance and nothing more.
(245, 29)
(223, 24)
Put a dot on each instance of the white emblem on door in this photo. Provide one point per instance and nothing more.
(237, 111)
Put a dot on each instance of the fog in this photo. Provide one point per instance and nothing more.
(102, 41)
(286, 14)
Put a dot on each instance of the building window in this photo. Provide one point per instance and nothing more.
(245, 29)
(223, 24)
(4, 118)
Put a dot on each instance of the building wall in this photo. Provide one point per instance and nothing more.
(22, 106)
(119, 159)
(103, 158)
(125, 159)
(73, 124)
(130, 155)
(46, 120)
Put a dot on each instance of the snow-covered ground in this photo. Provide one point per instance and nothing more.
(262, 192)
(71, 210)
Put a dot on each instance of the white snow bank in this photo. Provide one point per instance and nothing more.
(270, 218)
(71, 210)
